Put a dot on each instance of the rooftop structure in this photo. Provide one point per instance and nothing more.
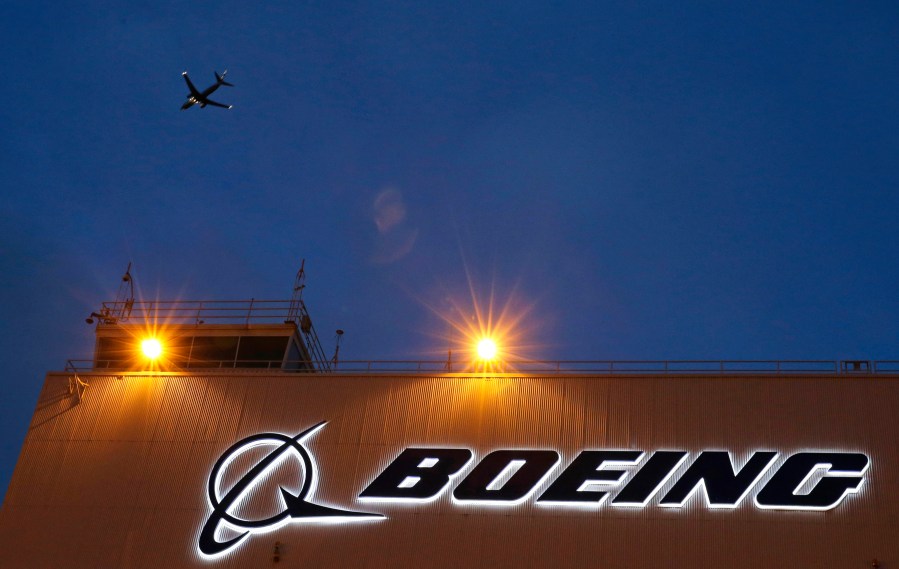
(269, 334)
(236, 443)
(191, 334)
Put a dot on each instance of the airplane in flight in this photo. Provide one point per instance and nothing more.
(195, 97)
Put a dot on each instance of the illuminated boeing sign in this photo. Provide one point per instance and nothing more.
(297, 508)
(506, 477)
(808, 480)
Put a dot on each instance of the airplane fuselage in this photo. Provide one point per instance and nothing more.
(201, 98)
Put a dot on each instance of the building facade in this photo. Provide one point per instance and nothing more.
(260, 467)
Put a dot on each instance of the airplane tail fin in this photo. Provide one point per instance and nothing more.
(221, 78)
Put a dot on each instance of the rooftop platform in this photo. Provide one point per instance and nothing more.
(252, 334)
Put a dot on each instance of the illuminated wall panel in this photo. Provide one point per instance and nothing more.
(121, 478)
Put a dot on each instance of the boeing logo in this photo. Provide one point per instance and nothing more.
(296, 507)
(808, 480)
(804, 481)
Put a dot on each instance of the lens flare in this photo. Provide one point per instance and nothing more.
(151, 348)
(487, 349)
(486, 330)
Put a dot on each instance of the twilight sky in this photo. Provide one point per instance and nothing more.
(640, 180)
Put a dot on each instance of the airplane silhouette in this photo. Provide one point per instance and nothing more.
(195, 97)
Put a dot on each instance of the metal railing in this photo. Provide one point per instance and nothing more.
(206, 311)
(552, 367)
(234, 312)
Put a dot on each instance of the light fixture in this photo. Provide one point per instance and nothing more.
(487, 349)
(151, 348)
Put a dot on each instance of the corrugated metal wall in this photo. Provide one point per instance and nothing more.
(119, 479)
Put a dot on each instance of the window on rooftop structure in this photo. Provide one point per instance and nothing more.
(177, 350)
(115, 352)
(261, 351)
(213, 351)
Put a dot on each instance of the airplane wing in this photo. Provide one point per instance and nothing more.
(214, 104)
(193, 90)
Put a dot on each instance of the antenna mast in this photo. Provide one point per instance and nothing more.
(298, 314)
(296, 300)
(339, 335)
(120, 310)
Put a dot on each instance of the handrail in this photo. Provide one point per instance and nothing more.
(201, 311)
(551, 367)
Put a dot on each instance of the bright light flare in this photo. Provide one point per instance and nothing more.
(486, 335)
(487, 349)
(151, 348)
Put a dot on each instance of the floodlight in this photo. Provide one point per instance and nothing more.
(151, 348)
(487, 349)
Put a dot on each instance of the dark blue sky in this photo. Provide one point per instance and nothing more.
(654, 180)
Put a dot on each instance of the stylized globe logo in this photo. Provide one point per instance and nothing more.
(297, 506)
